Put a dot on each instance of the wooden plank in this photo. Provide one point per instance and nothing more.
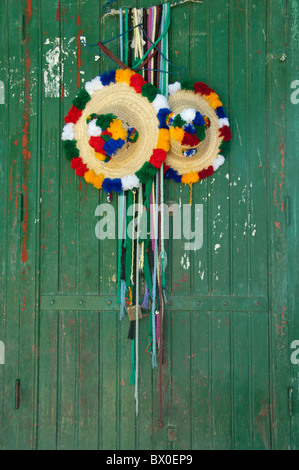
(52, 158)
(67, 412)
(127, 438)
(221, 380)
(4, 192)
(260, 400)
(242, 426)
(201, 379)
(180, 413)
(199, 30)
(69, 183)
(109, 349)
(88, 396)
(290, 206)
(179, 56)
(278, 289)
(218, 185)
(237, 171)
(48, 381)
(257, 156)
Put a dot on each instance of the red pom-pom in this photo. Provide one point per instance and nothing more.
(81, 170)
(205, 173)
(158, 157)
(202, 88)
(137, 82)
(190, 139)
(225, 132)
(97, 143)
(73, 115)
(76, 162)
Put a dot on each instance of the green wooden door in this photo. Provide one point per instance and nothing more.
(231, 314)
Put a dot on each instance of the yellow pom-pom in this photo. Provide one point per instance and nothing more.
(177, 133)
(100, 156)
(124, 75)
(164, 140)
(213, 100)
(190, 178)
(116, 130)
(89, 176)
(98, 181)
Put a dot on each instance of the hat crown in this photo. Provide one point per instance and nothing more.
(108, 134)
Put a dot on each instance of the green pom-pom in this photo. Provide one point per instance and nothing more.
(187, 85)
(81, 100)
(200, 132)
(224, 148)
(105, 137)
(149, 91)
(104, 120)
(91, 117)
(178, 121)
(70, 149)
(146, 172)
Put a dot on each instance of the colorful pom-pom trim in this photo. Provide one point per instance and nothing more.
(106, 140)
(181, 132)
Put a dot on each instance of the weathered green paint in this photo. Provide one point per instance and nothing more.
(231, 315)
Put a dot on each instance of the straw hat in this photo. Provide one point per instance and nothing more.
(116, 134)
(199, 130)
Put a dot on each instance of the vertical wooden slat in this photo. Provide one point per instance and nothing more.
(200, 381)
(221, 381)
(278, 289)
(241, 387)
(291, 212)
(88, 396)
(52, 60)
(67, 417)
(257, 156)
(198, 72)
(180, 378)
(4, 195)
(29, 262)
(218, 185)
(179, 56)
(48, 381)
(69, 185)
(260, 402)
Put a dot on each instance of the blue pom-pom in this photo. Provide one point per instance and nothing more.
(111, 146)
(173, 174)
(107, 184)
(220, 112)
(199, 120)
(162, 115)
(110, 185)
(190, 129)
(107, 78)
(116, 185)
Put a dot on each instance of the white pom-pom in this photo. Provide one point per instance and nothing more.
(188, 114)
(93, 130)
(218, 161)
(68, 132)
(160, 102)
(223, 122)
(174, 87)
(94, 85)
(130, 182)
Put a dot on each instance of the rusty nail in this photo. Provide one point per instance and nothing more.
(169, 302)
(257, 304)
(225, 304)
(52, 302)
(198, 303)
(108, 302)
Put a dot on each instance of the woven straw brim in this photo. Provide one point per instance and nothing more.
(208, 149)
(132, 108)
